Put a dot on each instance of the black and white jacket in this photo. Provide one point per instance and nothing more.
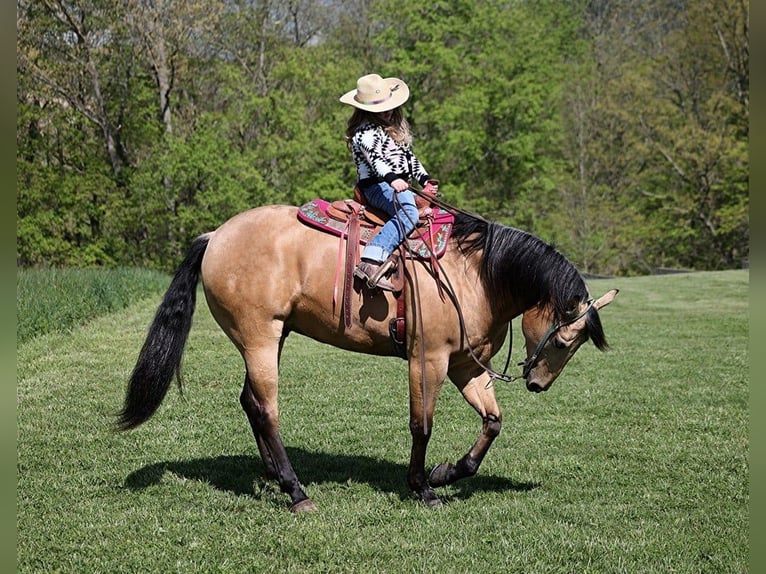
(379, 158)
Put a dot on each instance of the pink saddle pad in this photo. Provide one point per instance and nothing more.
(420, 242)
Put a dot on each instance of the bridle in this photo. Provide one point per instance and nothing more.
(530, 362)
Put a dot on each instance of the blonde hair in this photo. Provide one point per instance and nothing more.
(398, 128)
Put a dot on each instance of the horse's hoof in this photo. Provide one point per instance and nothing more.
(429, 499)
(439, 475)
(301, 506)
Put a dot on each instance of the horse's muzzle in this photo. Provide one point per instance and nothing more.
(534, 387)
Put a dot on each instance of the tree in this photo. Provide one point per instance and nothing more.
(167, 34)
(486, 79)
(657, 134)
(73, 52)
(71, 64)
(696, 136)
(616, 129)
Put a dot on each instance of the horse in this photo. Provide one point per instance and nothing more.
(265, 275)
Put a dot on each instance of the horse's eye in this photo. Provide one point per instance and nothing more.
(558, 343)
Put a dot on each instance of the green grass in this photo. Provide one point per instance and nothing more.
(635, 461)
(49, 300)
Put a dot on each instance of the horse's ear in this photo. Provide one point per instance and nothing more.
(606, 298)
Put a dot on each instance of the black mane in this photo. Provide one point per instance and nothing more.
(516, 264)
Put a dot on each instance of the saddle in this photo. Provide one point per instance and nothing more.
(370, 216)
(357, 222)
(429, 239)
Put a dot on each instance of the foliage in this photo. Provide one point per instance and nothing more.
(617, 130)
(488, 79)
(199, 180)
(656, 137)
(635, 461)
(59, 300)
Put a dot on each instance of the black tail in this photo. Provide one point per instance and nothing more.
(160, 357)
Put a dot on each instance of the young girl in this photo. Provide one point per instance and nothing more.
(380, 141)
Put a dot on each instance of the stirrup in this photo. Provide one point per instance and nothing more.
(374, 274)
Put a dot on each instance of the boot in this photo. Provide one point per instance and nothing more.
(375, 274)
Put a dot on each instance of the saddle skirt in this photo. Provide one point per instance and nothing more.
(429, 239)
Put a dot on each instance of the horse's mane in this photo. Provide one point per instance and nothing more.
(516, 264)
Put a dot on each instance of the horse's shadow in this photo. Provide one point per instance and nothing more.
(239, 473)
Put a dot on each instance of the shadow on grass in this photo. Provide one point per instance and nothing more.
(238, 473)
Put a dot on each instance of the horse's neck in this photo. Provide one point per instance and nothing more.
(500, 310)
(485, 314)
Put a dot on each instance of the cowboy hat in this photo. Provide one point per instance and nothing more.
(376, 94)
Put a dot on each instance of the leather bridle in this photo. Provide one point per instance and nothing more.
(530, 362)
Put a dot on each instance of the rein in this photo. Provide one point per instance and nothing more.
(529, 363)
(433, 198)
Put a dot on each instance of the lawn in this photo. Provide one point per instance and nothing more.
(635, 461)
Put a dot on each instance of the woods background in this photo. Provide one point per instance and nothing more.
(615, 129)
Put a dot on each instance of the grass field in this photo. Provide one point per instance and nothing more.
(51, 300)
(635, 461)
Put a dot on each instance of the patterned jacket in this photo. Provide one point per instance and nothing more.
(379, 158)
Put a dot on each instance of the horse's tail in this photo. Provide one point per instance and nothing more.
(160, 357)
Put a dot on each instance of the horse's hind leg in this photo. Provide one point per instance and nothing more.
(482, 398)
(250, 406)
(259, 401)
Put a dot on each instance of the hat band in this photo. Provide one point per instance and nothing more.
(372, 102)
(376, 102)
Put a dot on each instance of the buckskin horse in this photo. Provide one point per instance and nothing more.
(265, 274)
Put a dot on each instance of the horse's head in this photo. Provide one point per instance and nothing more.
(551, 344)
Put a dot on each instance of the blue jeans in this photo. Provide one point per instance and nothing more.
(404, 218)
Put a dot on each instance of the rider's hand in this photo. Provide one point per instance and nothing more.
(400, 185)
(431, 187)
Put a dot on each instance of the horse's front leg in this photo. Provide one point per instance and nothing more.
(425, 385)
(481, 396)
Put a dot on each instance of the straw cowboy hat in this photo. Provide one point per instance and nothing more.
(376, 94)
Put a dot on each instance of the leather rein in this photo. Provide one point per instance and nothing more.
(433, 198)
(529, 363)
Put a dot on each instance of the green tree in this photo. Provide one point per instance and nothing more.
(71, 155)
(698, 135)
(656, 113)
(487, 79)
(616, 129)
(211, 181)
